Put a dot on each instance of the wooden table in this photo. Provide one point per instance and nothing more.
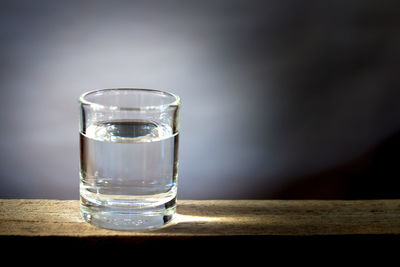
(260, 225)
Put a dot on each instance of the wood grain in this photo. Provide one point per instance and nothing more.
(52, 218)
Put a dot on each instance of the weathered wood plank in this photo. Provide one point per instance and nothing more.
(208, 218)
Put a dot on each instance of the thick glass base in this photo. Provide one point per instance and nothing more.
(128, 218)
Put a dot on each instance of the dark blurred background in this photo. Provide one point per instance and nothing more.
(281, 99)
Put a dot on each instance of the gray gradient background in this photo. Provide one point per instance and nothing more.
(271, 90)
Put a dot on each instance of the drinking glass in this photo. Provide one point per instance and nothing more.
(128, 157)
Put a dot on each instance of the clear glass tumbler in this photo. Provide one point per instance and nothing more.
(128, 157)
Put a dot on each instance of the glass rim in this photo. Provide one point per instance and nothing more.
(176, 102)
